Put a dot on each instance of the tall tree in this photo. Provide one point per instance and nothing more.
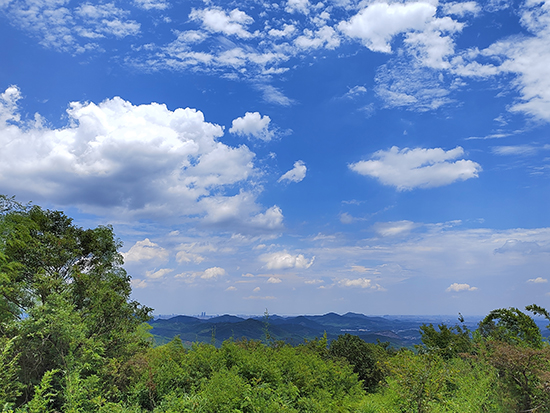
(64, 293)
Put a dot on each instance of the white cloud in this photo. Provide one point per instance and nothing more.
(257, 297)
(515, 150)
(313, 281)
(360, 283)
(145, 250)
(355, 91)
(455, 287)
(255, 290)
(253, 125)
(526, 57)
(529, 59)
(137, 283)
(376, 24)
(323, 37)
(75, 30)
(213, 273)
(106, 19)
(296, 174)
(461, 8)
(274, 280)
(190, 36)
(346, 218)
(287, 31)
(284, 260)
(158, 274)
(240, 213)
(407, 169)
(538, 280)
(191, 252)
(218, 21)
(152, 4)
(273, 95)
(301, 6)
(119, 159)
(515, 246)
(401, 83)
(231, 288)
(187, 257)
(390, 229)
(235, 61)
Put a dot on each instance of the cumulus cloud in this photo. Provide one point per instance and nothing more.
(407, 169)
(461, 8)
(218, 21)
(301, 6)
(145, 250)
(213, 273)
(538, 280)
(118, 158)
(253, 125)
(376, 24)
(296, 174)
(284, 260)
(455, 287)
(210, 274)
(324, 37)
(360, 283)
(287, 31)
(274, 280)
(240, 213)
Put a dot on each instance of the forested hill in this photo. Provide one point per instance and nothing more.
(398, 331)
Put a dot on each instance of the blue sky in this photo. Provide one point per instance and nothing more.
(381, 157)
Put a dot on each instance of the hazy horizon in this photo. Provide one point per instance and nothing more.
(378, 157)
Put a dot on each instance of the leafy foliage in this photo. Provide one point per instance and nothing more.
(64, 307)
(512, 326)
(448, 342)
(366, 358)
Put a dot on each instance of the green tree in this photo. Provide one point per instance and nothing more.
(365, 358)
(512, 326)
(64, 293)
(446, 341)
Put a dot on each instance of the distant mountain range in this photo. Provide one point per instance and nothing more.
(399, 331)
